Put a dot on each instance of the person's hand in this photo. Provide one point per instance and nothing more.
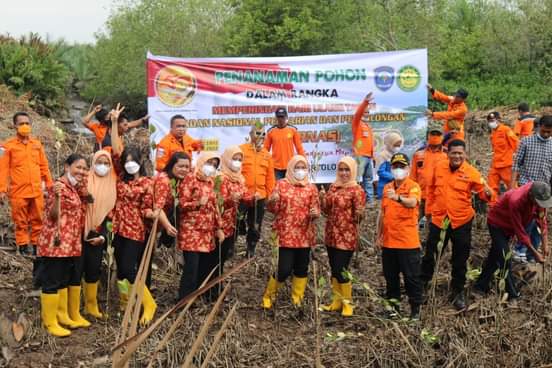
(428, 113)
(203, 200)
(258, 196)
(313, 213)
(322, 193)
(390, 193)
(429, 87)
(514, 184)
(220, 235)
(58, 187)
(539, 257)
(275, 197)
(236, 197)
(3, 197)
(171, 230)
(97, 241)
(144, 119)
(98, 108)
(379, 241)
(488, 191)
(369, 97)
(116, 112)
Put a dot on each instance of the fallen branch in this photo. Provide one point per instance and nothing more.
(218, 336)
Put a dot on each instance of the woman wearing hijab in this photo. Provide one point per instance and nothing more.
(392, 143)
(296, 206)
(343, 206)
(60, 247)
(232, 191)
(200, 223)
(102, 185)
(133, 207)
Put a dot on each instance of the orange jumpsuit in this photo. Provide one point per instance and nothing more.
(504, 142)
(258, 170)
(423, 165)
(283, 142)
(453, 117)
(170, 145)
(524, 126)
(23, 168)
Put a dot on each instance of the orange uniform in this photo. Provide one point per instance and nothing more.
(454, 116)
(363, 138)
(23, 169)
(523, 127)
(100, 131)
(283, 142)
(451, 193)
(423, 165)
(258, 170)
(170, 145)
(400, 224)
(504, 142)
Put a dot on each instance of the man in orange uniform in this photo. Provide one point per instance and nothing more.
(284, 141)
(363, 146)
(176, 141)
(504, 142)
(258, 171)
(424, 162)
(455, 114)
(23, 174)
(450, 191)
(398, 236)
(525, 123)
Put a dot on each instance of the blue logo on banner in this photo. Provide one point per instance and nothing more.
(384, 77)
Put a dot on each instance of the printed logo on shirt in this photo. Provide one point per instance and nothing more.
(175, 85)
(384, 76)
(409, 78)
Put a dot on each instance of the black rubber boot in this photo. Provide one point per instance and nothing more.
(414, 312)
(459, 301)
(250, 250)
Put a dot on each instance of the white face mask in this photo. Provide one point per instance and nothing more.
(397, 149)
(72, 179)
(493, 124)
(101, 169)
(132, 167)
(300, 174)
(236, 165)
(208, 170)
(399, 173)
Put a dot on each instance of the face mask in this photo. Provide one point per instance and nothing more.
(493, 124)
(24, 130)
(72, 179)
(101, 169)
(236, 165)
(132, 167)
(542, 139)
(399, 173)
(435, 140)
(300, 174)
(208, 170)
(397, 149)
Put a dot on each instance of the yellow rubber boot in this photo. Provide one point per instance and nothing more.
(149, 307)
(74, 306)
(63, 310)
(298, 286)
(48, 312)
(336, 297)
(91, 300)
(347, 292)
(124, 289)
(270, 292)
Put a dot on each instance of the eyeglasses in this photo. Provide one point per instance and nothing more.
(260, 134)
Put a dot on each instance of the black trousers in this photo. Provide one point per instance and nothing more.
(92, 262)
(128, 255)
(197, 266)
(496, 260)
(59, 273)
(293, 260)
(339, 262)
(461, 244)
(253, 218)
(407, 262)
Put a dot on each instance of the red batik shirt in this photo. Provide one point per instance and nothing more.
(71, 224)
(163, 196)
(134, 202)
(341, 206)
(292, 223)
(198, 224)
(230, 213)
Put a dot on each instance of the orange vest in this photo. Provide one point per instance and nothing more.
(454, 116)
(258, 170)
(170, 145)
(504, 142)
(523, 127)
(283, 142)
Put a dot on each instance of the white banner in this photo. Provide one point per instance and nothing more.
(222, 97)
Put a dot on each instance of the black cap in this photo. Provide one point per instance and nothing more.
(462, 93)
(400, 158)
(493, 115)
(281, 112)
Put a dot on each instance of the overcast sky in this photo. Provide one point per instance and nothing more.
(73, 20)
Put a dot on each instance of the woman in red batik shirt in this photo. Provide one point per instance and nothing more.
(60, 247)
(200, 223)
(343, 207)
(296, 206)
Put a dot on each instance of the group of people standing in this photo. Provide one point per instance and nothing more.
(202, 208)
